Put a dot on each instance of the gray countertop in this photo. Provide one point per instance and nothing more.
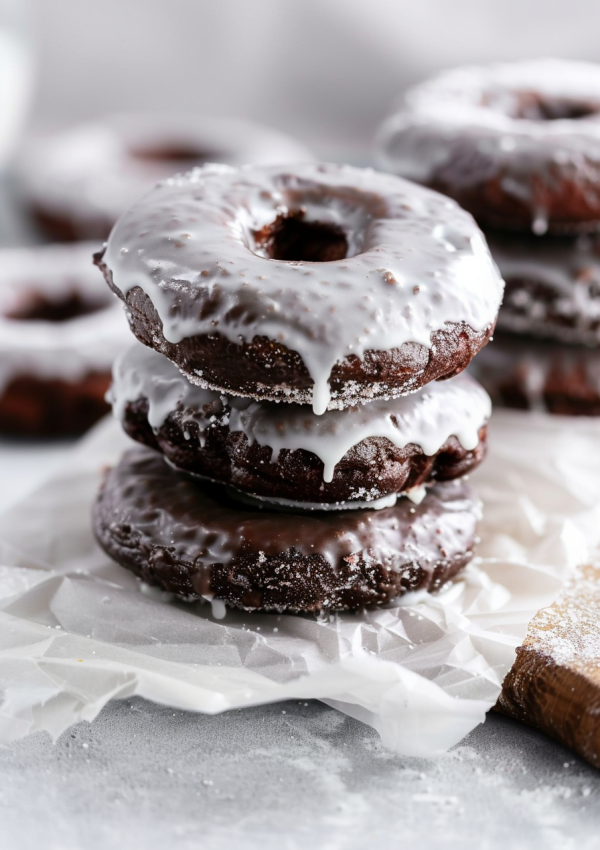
(283, 776)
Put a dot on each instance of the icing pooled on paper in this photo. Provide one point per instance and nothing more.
(416, 262)
(457, 407)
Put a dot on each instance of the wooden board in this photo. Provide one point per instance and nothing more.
(554, 683)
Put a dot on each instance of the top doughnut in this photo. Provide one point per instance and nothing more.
(518, 145)
(78, 181)
(320, 284)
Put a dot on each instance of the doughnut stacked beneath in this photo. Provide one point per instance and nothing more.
(75, 183)
(59, 333)
(519, 146)
(298, 455)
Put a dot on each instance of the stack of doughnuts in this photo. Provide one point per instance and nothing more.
(60, 330)
(518, 145)
(304, 430)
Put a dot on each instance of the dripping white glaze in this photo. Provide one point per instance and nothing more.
(457, 407)
(416, 263)
(475, 105)
(67, 350)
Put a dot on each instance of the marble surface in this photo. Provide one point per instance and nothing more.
(285, 776)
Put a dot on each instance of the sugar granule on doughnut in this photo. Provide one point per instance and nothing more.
(188, 538)
(78, 181)
(552, 286)
(59, 331)
(284, 453)
(530, 374)
(319, 284)
(518, 145)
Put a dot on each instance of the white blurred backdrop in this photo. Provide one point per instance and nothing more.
(324, 70)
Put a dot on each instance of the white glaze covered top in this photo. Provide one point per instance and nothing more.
(415, 263)
(457, 407)
(68, 349)
(95, 171)
(484, 105)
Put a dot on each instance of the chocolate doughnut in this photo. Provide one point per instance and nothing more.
(316, 283)
(552, 286)
(284, 453)
(189, 538)
(59, 332)
(77, 182)
(518, 145)
(531, 374)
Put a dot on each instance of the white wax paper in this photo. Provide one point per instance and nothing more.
(77, 630)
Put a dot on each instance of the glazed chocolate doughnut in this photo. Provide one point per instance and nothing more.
(531, 374)
(77, 182)
(189, 538)
(59, 332)
(552, 286)
(316, 283)
(358, 457)
(518, 145)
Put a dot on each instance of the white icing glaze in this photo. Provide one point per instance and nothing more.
(291, 505)
(477, 104)
(569, 269)
(457, 407)
(67, 350)
(416, 262)
(89, 173)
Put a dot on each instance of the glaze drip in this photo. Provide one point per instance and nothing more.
(202, 526)
(458, 407)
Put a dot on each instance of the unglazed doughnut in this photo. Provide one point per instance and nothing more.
(516, 144)
(77, 182)
(189, 539)
(59, 332)
(531, 374)
(552, 286)
(319, 284)
(284, 453)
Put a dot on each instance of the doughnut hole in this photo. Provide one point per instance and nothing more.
(35, 307)
(534, 106)
(174, 152)
(293, 239)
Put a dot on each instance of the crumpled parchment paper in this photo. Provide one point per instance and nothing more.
(76, 630)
